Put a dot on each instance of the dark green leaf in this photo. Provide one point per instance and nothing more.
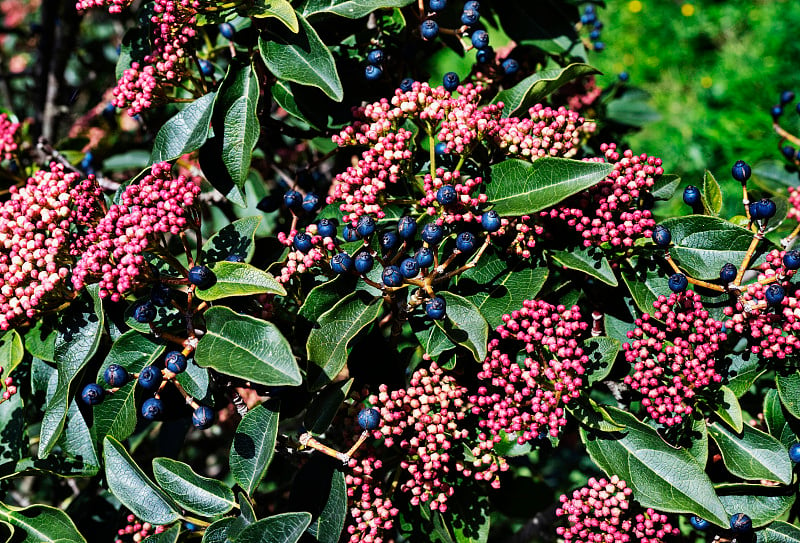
(789, 391)
(753, 455)
(699, 448)
(239, 279)
(245, 347)
(777, 425)
(588, 260)
(743, 369)
(632, 108)
(523, 188)
(464, 325)
(323, 297)
(774, 176)
(233, 239)
(328, 525)
(237, 102)
(730, 411)
(13, 437)
(76, 440)
(167, 536)
(283, 528)
(253, 446)
(591, 415)
(665, 186)
(602, 351)
(279, 9)
(195, 381)
(352, 9)
(40, 341)
(198, 494)
(646, 282)
(185, 132)
(779, 532)
(40, 524)
(218, 531)
(325, 406)
(712, 194)
(763, 504)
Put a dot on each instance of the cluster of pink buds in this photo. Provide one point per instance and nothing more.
(371, 511)
(158, 205)
(604, 512)
(114, 6)
(461, 208)
(8, 137)
(526, 398)
(8, 384)
(136, 530)
(674, 362)
(298, 261)
(581, 93)
(547, 132)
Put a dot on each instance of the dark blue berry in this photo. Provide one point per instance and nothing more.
(480, 39)
(786, 97)
(727, 273)
(451, 81)
(446, 195)
(437, 5)
(794, 453)
(363, 262)
(510, 66)
(375, 56)
(365, 226)
(691, 195)
(798, 108)
(788, 151)
(407, 84)
(234, 258)
(662, 236)
(598, 46)
(206, 67)
(391, 276)
(115, 375)
(440, 148)
(409, 268)
(465, 242)
(490, 221)
(150, 378)
(755, 211)
(326, 228)
(349, 233)
(369, 418)
(472, 4)
(227, 30)
(432, 233)
(776, 112)
(699, 523)
(436, 308)
(589, 9)
(774, 294)
(470, 16)
(429, 29)
(175, 362)
(741, 171)
(202, 277)
(341, 263)
(144, 312)
(92, 394)
(293, 199)
(623, 76)
(424, 257)
(372, 72)
(406, 227)
(598, 25)
(152, 409)
(791, 260)
(310, 202)
(302, 242)
(485, 55)
(768, 208)
(594, 35)
(588, 18)
(741, 523)
(678, 282)
(202, 417)
(160, 294)
(389, 240)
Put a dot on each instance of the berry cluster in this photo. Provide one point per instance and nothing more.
(114, 6)
(374, 68)
(136, 530)
(604, 512)
(588, 18)
(8, 137)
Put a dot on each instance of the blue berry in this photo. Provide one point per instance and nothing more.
(302, 242)
(310, 202)
(491, 221)
(480, 39)
(440, 149)
(699, 523)
(678, 282)
(788, 151)
(144, 312)
(741, 171)
(798, 108)
(341, 263)
(369, 418)
(662, 236)
(755, 211)
(175, 362)
(794, 453)
(786, 97)
(389, 241)
(375, 56)
(429, 29)
(92, 394)
(510, 66)
(451, 81)
(115, 375)
(446, 195)
(152, 409)
(774, 294)
(485, 55)
(599, 46)
(776, 112)
(407, 84)
(470, 16)
(409, 268)
(234, 258)
(791, 260)
(326, 228)
(589, 9)
(372, 72)
(202, 417)
(365, 226)
(741, 523)
(727, 273)
(406, 227)
(363, 262)
(594, 35)
(588, 18)
(349, 233)
(598, 25)
(436, 308)
(424, 257)
(768, 208)
(150, 378)
(227, 30)
(202, 277)
(391, 276)
(623, 76)
(432, 233)
(437, 5)
(691, 195)
(293, 199)
(160, 294)
(472, 4)
(206, 67)
(465, 242)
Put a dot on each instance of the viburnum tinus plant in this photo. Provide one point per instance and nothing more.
(297, 274)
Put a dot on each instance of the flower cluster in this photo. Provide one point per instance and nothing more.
(114, 256)
(604, 512)
(300, 261)
(674, 362)
(114, 6)
(8, 137)
(372, 512)
(526, 397)
(135, 530)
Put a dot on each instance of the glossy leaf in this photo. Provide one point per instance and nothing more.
(743, 370)
(763, 504)
(279, 9)
(133, 351)
(591, 415)
(248, 348)
(40, 524)
(659, 475)
(198, 494)
(236, 104)
(239, 279)
(646, 282)
(779, 532)
(464, 325)
(753, 455)
(133, 489)
(712, 194)
(302, 58)
(253, 446)
(217, 532)
(352, 9)
(167, 536)
(327, 526)
(522, 188)
(11, 351)
(283, 528)
(665, 186)
(13, 438)
(325, 405)
(730, 411)
(186, 131)
(236, 238)
(602, 352)
(76, 441)
(590, 261)
(323, 297)
(634, 108)
(40, 340)
(777, 425)
(789, 391)
(536, 87)
(195, 381)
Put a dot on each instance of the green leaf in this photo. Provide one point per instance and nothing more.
(464, 325)
(186, 131)
(536, 87)
(239, 279)
(195, 381)
(79, 332)
(253, 446)
(323, 297)
(248, 348)
(328, 342)
(40, 524)
(325, 405)
(13, 438)
(591, 415)
(279, 9)
(76, 441)
(200, 495)
(602, 352)
(777, 425)
(665, 186)
(743, 370)
(779, 532)
(730, 411)
(236, 238)
(712, 194)
(523, 188)
(236, 107)
(645, 282)
(302, 58)
(328, 525)
(763, 504)
(660, 476)
(633, 109)
(774, 176)
(699, 448)
(167, 536)
(132, 487)
(702, 245)
(217, 532)
(789, 391)
(40, 340)
(133, 351)
(283, 528)
(352, 9)
(589, 260)
(754, 455)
